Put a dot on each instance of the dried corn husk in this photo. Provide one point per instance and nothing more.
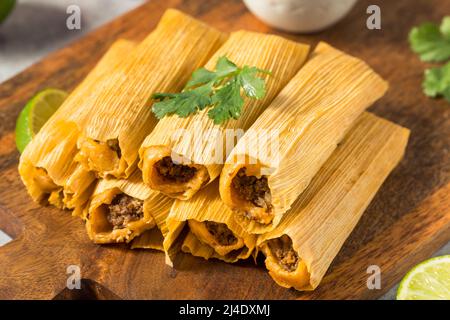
(196, 140)
(297, 133)
(119, 107)
(322, 218)
(206, 206)
(154, 238)
(46, 166)
(150, 239)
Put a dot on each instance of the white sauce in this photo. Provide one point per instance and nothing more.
(300, 15)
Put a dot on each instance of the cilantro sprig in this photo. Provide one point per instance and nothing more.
(431, 42)
(223, 90)
(437, 82)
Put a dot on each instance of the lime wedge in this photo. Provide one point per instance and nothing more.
(6, 7)
(36, 112)
(430, 280)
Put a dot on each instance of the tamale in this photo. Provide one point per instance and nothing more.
(212, 231)
(301, 248)
(275, 160)
(196, 148)
(119, 107)
(122, 209)
(46, 166)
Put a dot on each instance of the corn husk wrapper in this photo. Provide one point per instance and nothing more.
(150, 239)
(196, 140)
(298, 132)
(154, 238)
(322, 218)
(97, 225)
(46, 166)
(206, 205)
(120, 116)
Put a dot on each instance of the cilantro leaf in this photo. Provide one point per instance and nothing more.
(200, 76)
(225, 67)
(219, 89)
(227, 103)
(161, 96)
(184, 103)
(431, 42)
(253, 86)
(437, 82)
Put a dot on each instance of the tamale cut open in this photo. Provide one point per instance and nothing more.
(275, 160)
(122, 209)
(301, 248)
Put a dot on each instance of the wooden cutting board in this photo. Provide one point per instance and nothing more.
(408, 220)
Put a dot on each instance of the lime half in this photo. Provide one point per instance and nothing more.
(6, 7)
(36, 112)
(430, 280)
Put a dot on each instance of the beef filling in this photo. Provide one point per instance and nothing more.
(253, 189)
(174, 172)
(282, 249)
(221, 232)
(124, 209)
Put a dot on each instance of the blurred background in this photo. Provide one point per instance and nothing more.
(36, 27)
(33, 28)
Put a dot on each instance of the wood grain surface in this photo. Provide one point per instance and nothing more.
(408, 220)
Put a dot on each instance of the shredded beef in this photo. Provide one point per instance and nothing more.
(124, 209)
(221, 232)
(253, 189)
(174, 172)
(283, 251)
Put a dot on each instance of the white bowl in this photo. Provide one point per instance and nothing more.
(300, 15)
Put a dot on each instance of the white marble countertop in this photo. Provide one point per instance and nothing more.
(38, 27)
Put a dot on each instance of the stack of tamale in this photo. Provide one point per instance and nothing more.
(292, 186)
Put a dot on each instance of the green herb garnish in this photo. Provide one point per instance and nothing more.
(220, 90)
(430, 41)
(437, 82)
